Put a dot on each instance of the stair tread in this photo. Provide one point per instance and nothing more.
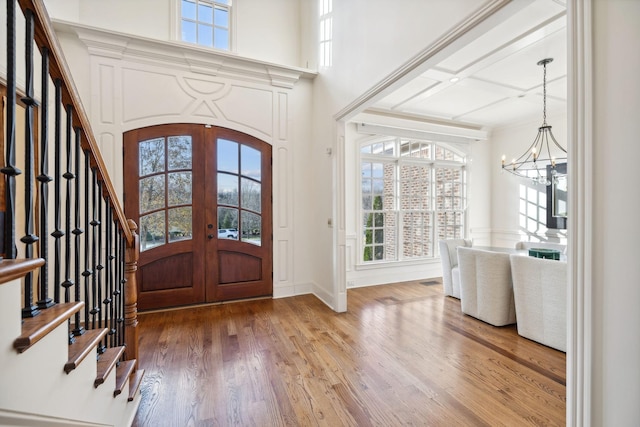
(134, 384)
(106, 363)
(123, 371)
(36, 328)
(84, 345)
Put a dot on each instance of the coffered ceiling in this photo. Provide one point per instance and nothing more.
(494, 80)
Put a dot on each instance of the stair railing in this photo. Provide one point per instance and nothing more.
(57, 193)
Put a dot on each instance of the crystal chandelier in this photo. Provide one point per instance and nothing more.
(544, 153)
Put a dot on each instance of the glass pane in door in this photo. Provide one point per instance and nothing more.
(179, 152)
(180, 227)
(227, 189)
(152, 228)
(251, 194)
(251, 162)
(227, 223)
(152, 193)
(151, 155)
(251, 228)
(227, 156)
(179, 188)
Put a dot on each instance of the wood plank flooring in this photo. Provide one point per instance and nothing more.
(403, 354)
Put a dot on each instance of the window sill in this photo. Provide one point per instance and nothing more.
(396, 264)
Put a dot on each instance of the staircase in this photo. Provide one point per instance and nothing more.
(48, 382)
(68, 261)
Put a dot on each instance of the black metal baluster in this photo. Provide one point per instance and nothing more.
(44, 179)
(30, 309)
(68, 176)
(95, 307)
(119, 292)
(106, 302)
(57, 233)
(77, 231)
(88, 272)
(67, 284)
(109, 303)
(99, 267)
(10, 169)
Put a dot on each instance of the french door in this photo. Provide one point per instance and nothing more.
(201, 197)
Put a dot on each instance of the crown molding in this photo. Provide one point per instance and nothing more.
(177, 55)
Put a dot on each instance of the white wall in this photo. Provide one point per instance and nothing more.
(479, 192)
(365, 52)
(127, 82)
(147, 18)
(616, 202)
(269, 31)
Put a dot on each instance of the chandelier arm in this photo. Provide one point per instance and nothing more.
(546, 143)
(556, 142)
(528, 154)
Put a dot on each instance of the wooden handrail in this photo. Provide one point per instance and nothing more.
(108, 269)
(11, 269)
(58, 68)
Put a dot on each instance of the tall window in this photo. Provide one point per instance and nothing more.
(326, 33)
(413, 194)
(206, 22)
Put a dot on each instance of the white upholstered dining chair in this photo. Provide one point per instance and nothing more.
(449, 260)
(540, 292)
(486, 290)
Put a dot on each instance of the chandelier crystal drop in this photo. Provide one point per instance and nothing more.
(544, 153)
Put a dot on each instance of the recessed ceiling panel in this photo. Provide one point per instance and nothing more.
(512, 111)
(520, 69)
(499, 82)
(456, 100)
(406, 92)
(528, 20)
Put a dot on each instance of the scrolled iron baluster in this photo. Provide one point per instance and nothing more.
(10, 169)
(100, 267)
(68, 175)
(77, 232)
(108, 284)
(88, 271)
(30, 309)
(44, 179)
(95, 307)
(57, 233)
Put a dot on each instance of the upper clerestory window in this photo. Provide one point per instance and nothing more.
(206, 23)
(326, 33)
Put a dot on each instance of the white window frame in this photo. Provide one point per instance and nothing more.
(176, 24)
(397, 160)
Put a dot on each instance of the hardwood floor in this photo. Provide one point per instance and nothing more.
(403, 354)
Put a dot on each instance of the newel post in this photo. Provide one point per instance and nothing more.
(132, 254)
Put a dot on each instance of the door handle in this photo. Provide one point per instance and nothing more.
(210, 236)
